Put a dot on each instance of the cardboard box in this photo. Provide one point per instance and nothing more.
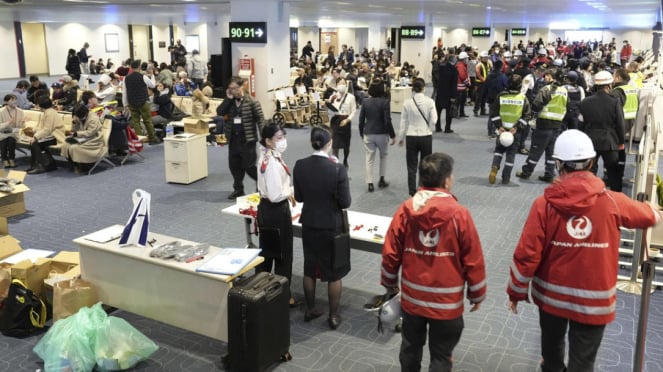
(196, 126)
(9, 246)
(32, 274)
(64, 266)
(13, 203)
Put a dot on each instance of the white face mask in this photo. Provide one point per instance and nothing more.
(341, 89)
(281, 145)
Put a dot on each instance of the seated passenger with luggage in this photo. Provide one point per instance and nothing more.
(84, 141)
(11, 120)
(184, 86)
(49, 131)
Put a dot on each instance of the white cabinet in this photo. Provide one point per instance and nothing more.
(185, 158)
(398, 97)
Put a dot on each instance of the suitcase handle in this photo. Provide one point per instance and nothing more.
(273, 290)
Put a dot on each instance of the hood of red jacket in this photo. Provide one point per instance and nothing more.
(575, 192)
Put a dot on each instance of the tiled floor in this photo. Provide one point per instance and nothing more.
(62, 206)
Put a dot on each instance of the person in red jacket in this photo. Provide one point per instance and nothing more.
(433, 240)
(463, 84)
(568, 255)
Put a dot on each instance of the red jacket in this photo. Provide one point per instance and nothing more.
(434, 239)
(463, 78)
(568, 250)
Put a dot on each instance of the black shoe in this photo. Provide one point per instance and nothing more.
(523, 151)
(294, 303)
(448, 131)
(522, 175)
(438, 130)
(235, 194)
(370, 187)
(483, 113)
(464, 116)
(383, 184)
(476, 114)
(548, 179)
(155, 141)
(313, 314)
(334, 321)
(37, 170)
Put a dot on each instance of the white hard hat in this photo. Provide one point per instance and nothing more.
(558, 62)
(518, 52)
(603, 78)
(506, 139)
(507, 54)
(483, 54)
(573, 145)
(386, 309)
(462, 55)
(543, 51)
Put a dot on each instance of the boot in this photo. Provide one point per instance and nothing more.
(383, 184)
(493, 174)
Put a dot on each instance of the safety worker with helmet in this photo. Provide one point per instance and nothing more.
(483, 68)
(550, 104)
(575, 95)
(567, 256)
(434, 245)
(627, 95)
(463, 85)
(603, 121)
(541, 58)
(511, 112)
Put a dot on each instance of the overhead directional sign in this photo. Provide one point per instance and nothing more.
(481, 32)
(413, 32)
(518, 32)
(248, 32)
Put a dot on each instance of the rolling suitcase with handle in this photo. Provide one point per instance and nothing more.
(258, 322)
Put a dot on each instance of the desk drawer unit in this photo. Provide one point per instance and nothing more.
(185, 159)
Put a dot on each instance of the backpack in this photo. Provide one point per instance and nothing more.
(135, 144)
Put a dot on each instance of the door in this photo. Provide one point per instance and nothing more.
(140, 43)
(329, 39)
(36, 57)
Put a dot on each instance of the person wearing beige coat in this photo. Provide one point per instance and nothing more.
(11, 121)
(85, 140)
(49, 131)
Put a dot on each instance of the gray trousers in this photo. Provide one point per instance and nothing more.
(373, 143)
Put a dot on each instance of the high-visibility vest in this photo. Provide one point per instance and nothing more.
(631, 103)
(511, 109)
(556, 108)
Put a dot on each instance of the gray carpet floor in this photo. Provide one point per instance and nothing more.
(62, 206)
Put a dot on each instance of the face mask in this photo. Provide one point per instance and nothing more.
(341, 89)
(281, 145)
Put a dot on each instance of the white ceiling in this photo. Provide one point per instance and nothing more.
(614, 14)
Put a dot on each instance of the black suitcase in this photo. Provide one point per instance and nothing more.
(258, 322)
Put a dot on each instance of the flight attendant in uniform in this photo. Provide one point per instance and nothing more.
(274, 218)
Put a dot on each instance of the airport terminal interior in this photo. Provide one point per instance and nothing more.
(62, 206)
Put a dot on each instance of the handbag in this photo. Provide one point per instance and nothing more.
(270, 242)
(23, 313)
(341, 249)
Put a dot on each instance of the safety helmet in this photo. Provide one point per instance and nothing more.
(387, 308)
(603, 78)
(558, 62)
(462, 55)
(518, 53)
(506, 138)
(573, 145)
(507, 54)
(483, 54)
(543, 51)
(572, 76)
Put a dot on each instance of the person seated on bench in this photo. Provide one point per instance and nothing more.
(58, 93)
(184, 86)
(49, 131)
(105, 92)
(11, 120)
(84, 141)
(70, 88)
(160, 105)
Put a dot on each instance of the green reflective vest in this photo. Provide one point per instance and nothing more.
(511, 109)
(556, 108)
(631, 103)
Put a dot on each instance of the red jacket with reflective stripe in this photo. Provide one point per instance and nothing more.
(568, 250)
(433, 238)
(463, 78)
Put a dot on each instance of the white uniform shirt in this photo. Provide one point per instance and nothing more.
(273, 176)
(412, 121)
(346, 105)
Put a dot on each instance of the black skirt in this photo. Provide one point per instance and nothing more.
(340, 134)
(318, 247)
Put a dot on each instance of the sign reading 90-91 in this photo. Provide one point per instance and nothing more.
(481, 32)
(248, 32)
(413, 32)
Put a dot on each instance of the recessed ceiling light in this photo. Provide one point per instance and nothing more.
(489, 7)
(87, 1)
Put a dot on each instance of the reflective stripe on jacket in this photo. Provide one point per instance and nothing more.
(556, 107)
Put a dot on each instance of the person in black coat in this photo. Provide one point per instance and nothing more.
(322, 185)
(447, 85)
(73, 66)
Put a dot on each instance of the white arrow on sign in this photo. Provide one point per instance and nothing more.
(421, 32)
(259, 32)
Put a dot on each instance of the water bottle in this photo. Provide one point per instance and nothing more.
(170, 130)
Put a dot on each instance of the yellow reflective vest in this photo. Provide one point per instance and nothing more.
(556, 108)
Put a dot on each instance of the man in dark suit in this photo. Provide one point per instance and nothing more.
(447, 82)
(322, 185)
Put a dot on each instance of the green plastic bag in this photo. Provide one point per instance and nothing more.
(68, 344)
(121, 346)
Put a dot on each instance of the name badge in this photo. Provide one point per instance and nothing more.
(237, 120)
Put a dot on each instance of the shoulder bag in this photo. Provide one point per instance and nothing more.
(341, 249)
(23, 314)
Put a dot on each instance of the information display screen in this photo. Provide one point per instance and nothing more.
(413, 32)
(248, 32)
(481, 32)
(518, 32)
